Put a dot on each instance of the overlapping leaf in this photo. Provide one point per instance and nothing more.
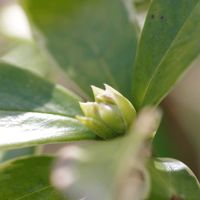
(34, 111)
(169, 43)
(93, 41)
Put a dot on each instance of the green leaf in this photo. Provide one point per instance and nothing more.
(171, 179)
(93, 41)
(27, 179)
(169, 43)
(34, 111)
(27, 55)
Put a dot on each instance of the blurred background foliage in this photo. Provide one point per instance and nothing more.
(179, 134)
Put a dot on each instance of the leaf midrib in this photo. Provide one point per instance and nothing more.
(165, 55)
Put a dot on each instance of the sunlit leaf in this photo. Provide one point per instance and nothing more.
(34, 111)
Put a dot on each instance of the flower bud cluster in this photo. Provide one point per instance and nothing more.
(110, 115)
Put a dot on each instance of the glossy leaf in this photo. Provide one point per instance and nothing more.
(172, 180)
(34, 111)
(169, 43)
(93, 41)
(27, 179)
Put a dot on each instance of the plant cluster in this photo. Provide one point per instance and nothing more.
(45, 98)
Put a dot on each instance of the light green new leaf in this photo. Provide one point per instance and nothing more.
(93, 41)
(169, 42)
(34, 111)
(172, 180)
(27, 179)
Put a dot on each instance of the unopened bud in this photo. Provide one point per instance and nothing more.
(110, 115)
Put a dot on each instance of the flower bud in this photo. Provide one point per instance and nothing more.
(110, 115)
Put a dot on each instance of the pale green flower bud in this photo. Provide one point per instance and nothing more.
(90, 109)
(96, 126)
(110, 115)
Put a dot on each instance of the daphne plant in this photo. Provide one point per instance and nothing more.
(76, 44)
(110, 115)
